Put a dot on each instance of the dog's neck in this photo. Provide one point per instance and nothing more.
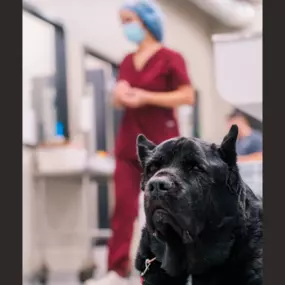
(199, 255)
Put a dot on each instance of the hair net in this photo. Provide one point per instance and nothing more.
(150, 14)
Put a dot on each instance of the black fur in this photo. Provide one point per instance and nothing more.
(202, 220)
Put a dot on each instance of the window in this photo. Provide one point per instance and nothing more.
(44, 79)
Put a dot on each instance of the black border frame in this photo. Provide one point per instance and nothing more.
(273, 141)
(61, 67)
(11, 127)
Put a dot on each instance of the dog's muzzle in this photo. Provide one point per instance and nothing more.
(159, 186)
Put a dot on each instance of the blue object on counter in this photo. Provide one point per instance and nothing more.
(59, 129)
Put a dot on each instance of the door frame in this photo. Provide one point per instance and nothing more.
(103, 187)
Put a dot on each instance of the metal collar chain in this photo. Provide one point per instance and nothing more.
(148, 263)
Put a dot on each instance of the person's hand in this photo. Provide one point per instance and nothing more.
(123, 87)
(135, 98)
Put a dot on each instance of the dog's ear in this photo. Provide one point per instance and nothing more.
(144, 148)
(172, 262)
(228, 147)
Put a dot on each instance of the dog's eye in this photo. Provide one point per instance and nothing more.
(193, 167)
(152, 168)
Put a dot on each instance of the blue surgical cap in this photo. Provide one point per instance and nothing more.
(150, 14)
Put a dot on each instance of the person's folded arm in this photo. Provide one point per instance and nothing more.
(122, 86)
(184, 95)
(256, 150)
(250, 157)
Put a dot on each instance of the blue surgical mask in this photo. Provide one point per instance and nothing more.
(134, 32)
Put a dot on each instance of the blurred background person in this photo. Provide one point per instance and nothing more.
(152, 82)
(249, 142)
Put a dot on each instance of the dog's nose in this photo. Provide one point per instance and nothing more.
(159, 185)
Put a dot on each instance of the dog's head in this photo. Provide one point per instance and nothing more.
(190, 185)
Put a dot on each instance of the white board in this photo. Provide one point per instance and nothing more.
(238, 70)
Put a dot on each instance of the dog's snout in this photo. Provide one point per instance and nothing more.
(159, 184)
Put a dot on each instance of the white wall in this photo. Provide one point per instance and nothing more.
(238, 69)
(257, 24)
(95, 23)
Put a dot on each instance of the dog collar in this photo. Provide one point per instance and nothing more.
(148, 263)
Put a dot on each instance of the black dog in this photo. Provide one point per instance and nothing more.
(202, 220)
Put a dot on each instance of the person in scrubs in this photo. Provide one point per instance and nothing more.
(152, 82)
(249, 141)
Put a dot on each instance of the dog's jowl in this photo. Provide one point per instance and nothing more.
(202, 220)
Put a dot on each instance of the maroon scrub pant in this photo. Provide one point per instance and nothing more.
(127, 189)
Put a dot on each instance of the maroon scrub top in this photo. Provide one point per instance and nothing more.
(165, 71)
